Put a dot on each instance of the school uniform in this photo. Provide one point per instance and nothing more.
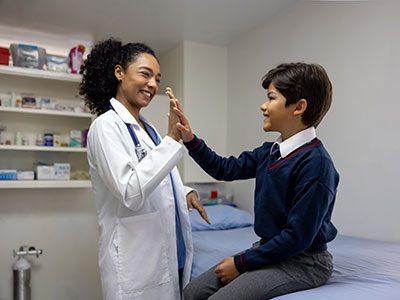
(295, 193)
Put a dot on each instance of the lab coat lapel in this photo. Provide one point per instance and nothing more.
(147, 139)
(144, 137)
(126, 117)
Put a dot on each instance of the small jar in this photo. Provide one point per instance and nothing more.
(56, 140)
(48, 139)
(25, 141)
(39, 139)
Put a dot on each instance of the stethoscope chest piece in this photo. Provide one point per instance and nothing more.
(140, 152)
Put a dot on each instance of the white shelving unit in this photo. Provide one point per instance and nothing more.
(42, 148)
(30, 121)
(45, 112)
(35, 73)
(44, 184)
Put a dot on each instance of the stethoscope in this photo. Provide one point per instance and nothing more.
(139, 150)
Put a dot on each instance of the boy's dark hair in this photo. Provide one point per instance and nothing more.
(99, 83)
(297, 81)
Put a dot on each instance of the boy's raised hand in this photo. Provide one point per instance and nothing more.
(183, 126)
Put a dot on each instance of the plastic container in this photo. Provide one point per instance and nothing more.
(4, 56)
(48, 139)
(28, 56)
(213, 199)
(75, 138)
(5, 99)
(76, 58)
(56, 140)
(39, 139)
(57, 63)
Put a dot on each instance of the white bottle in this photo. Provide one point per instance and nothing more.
(18, 139)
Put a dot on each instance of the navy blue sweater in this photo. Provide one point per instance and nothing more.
(293, 198)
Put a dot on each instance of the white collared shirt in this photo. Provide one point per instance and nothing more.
(296, 141)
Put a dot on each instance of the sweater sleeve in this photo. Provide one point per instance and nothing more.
(223, 168)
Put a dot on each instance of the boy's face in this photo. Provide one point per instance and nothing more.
(274, 110)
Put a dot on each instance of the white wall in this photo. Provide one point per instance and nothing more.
(205, 100)
(198, 74)
(171, 64)
(358, 44)
(63, 223)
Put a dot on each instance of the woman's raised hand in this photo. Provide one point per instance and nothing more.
(173, 118)
(183, 125)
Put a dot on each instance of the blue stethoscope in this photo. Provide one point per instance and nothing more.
(141, 153)
(139, 150)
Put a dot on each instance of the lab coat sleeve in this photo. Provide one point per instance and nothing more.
(111, 155)
(189, 189)
(154, 168)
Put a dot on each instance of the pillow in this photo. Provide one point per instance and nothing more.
(222, 217)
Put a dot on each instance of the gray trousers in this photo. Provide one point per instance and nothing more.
(305, 271)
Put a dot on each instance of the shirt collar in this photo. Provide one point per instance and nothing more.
(124, 113)
(299, 139)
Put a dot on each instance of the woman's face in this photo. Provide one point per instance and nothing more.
(138, 84)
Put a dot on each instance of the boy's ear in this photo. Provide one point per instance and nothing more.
(118, 72)
(300, 107)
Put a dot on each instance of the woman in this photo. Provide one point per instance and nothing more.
(145, 239)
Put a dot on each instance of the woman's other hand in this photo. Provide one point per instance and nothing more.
(193, 201)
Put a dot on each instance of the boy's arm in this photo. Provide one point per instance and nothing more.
(220, 168)
(223, 168)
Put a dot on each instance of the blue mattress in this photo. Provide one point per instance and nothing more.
(363, 269)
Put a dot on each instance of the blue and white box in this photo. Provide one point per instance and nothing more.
(62, 171)
(8, 174)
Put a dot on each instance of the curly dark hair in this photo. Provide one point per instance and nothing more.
(297, 81)
(99, 83)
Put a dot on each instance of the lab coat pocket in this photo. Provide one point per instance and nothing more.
(142, 253)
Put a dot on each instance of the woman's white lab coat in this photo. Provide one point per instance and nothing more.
(136, 210)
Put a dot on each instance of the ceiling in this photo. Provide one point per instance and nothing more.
(163, 24)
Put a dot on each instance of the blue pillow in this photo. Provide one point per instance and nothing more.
(222, 217)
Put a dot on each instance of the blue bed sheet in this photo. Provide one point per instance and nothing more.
(363, 269)
(212, 246)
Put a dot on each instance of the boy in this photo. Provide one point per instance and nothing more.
(295, 191)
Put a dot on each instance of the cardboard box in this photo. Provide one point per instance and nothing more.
(8, 174)
(45, 172)
(25, 175)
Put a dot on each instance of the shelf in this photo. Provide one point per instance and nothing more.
(42, 148)
(45, 112)
(44, 184)
(36, 73)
